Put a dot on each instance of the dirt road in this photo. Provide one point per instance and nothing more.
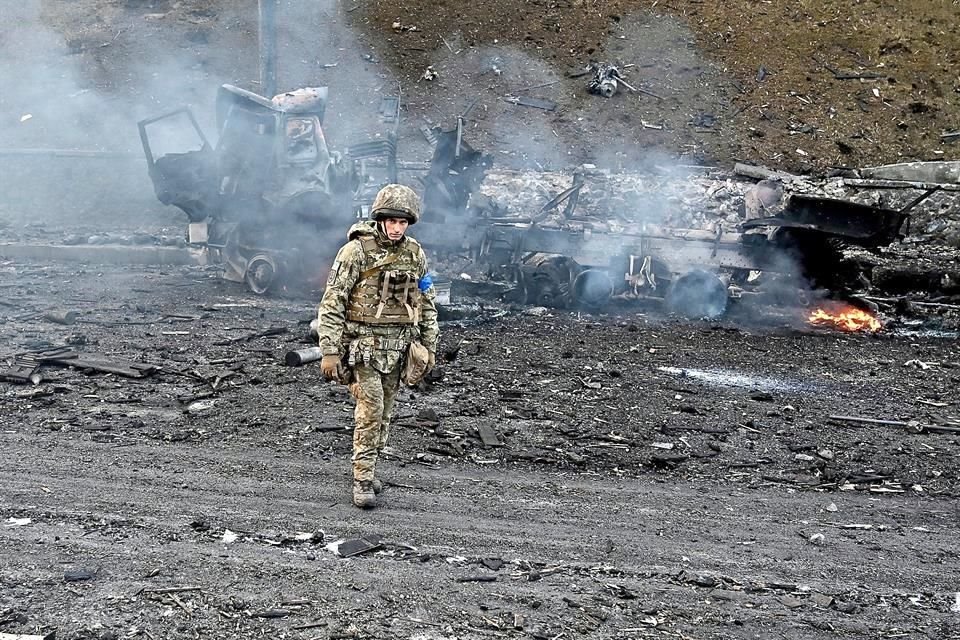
(628, 499)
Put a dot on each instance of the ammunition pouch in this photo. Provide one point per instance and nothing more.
(390, 344)
(387, 297)
(416, 366)
(360, 350)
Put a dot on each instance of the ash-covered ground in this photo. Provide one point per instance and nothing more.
(620, 475)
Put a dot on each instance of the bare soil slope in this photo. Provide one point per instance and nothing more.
(803, 85)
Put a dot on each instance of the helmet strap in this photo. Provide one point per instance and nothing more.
(382, 230)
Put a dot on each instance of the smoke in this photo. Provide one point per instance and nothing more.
(79, 75)
(523, 135)
(63, 92)
(317, 48)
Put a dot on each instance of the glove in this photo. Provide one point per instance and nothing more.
(332, 367)
(431, 361)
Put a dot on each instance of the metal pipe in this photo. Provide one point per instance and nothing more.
(302, 356)
(268, 48)
(61, 317)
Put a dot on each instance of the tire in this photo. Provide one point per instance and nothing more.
(698, 294)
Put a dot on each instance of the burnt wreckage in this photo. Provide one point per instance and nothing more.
(265, 197)
(557, 260)
(271, 196)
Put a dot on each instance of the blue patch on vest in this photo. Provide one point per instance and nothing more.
(425, 283)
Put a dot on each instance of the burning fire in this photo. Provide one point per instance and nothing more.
(845, 318)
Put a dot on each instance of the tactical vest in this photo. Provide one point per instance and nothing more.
(387, 290)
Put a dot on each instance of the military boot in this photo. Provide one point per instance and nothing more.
(377, 486)
(363, 494)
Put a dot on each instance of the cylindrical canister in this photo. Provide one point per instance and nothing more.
(302, 356)
(61, 317)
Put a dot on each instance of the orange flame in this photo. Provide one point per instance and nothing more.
(845, 318)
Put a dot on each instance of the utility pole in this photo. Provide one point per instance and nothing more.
(268, 47)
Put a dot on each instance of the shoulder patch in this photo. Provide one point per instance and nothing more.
(334, 270)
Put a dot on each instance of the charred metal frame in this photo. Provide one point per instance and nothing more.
(265, 198)
(551, 265)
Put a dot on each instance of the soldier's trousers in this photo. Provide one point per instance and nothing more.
(375, 394)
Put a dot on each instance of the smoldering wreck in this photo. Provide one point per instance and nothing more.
(693, 238)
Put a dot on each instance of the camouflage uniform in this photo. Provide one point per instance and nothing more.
(377, 300)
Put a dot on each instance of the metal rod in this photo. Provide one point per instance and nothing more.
(456, 153)
(268, 48)
(913, 203)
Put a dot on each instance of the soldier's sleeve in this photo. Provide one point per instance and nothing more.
(429, 327)
(332, 312)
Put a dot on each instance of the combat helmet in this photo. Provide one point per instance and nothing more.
(396, 201)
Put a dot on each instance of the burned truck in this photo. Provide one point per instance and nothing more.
(694, 272)
(557, 257)
(270, 200)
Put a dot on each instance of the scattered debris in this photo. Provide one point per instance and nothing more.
(94, 362)
(546, 105)
(488, 435)
(605, 80)
(477, 579)
(61, 317)
(356, 546)
(16, 522)
(892, 423)
(169, 590)
(817, 539)
(270, 613)
(848, 75)
(266, 333)
(22, 373)
(79, 575)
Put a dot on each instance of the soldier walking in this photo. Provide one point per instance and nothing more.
(379, 299)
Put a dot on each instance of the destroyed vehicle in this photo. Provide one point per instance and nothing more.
(270, 200)
(452, 183)
(695, 272)
(559, 258)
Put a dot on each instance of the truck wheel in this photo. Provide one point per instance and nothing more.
(592, 288)
(698, 294)
(261, 273)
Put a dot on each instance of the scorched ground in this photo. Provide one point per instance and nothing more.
(621, 475)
